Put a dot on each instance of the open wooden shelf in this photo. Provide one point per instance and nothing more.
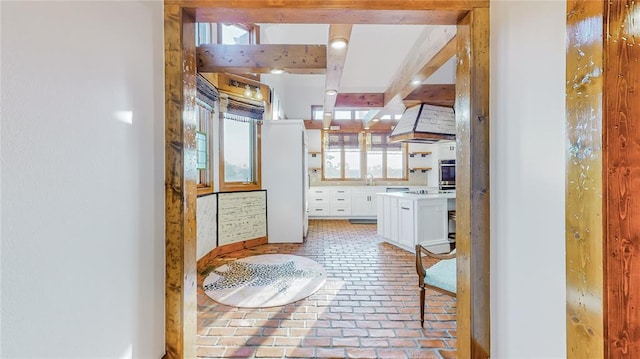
(421, 154)
(421, 169)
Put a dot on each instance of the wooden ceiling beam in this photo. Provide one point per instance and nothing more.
(262, 58)
(326, 16)
(359, 100)
(437, 95)
(335, 65)
(433, 12)
(431, 50)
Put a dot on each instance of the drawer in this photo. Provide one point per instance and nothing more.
(318, 200)
(341, 200)
(340, 192)
(318, 191)
(339, 211)
(319, 211)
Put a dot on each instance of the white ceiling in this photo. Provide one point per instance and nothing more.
(374, 56)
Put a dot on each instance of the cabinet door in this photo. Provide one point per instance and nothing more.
(432, 221)
(381, 217)
(360, 205)
(406, 225)
(447, 151)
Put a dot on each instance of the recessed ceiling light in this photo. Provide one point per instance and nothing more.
(338, 43)
(366, 128)
(277, 71)
(375, 120)
(331, 92)
(327, 114)
(326, 128)
(416, 82)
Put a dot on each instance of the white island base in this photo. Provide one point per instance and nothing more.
(406, 219)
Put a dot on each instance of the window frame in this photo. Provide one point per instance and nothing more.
(385, 166)
(205, 177)
(362, 145)
(256, 182)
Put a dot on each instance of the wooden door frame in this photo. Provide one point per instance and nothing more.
(602, 180)
(472, 123)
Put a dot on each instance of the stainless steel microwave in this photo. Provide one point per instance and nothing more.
(447, 174)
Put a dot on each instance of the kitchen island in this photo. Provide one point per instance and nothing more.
(409, 218)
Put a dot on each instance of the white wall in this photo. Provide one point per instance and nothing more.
(82, 180)
(527, 201)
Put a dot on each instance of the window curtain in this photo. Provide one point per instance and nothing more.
(238, 109)
(206, 92)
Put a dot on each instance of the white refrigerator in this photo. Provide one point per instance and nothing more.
(285, 177)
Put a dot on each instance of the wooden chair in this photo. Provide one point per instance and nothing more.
(440, 276)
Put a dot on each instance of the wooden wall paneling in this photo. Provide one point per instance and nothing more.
(621, 162)
(472, 201)
(180, 188)
(584, 221)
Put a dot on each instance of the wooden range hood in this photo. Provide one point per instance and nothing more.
(425, 123)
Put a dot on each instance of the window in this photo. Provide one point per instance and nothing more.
(234, 34)
(343, 115)
(385, 160)
(240, 146)
(206, 102)
(229, 34)
(342, 156)
(316, 112)
(239, 139)
(346, 155)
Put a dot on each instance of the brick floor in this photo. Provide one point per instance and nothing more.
(367, 309)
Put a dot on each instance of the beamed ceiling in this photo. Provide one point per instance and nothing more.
(375, 72)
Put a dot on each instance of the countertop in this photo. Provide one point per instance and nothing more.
(416, 196)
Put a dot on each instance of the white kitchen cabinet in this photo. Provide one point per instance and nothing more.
(406, 220)
(364, 202)
(447, 151)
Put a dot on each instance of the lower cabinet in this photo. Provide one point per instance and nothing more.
(406, 222)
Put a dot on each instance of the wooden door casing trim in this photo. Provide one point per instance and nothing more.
(474, 318)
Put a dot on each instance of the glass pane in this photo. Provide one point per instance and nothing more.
(234, 35)
(395, 164)
(352, 164)
(317, 114)
(342, 115)
(238, 151)
(201, 151)
(374, 164)
(332, 163)
(360, 114)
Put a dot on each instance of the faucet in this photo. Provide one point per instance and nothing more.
(369, 181)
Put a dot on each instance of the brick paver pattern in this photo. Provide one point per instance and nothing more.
(368, 307)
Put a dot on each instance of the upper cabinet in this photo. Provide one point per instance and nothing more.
(446, 150)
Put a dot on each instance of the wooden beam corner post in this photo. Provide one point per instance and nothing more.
(180, 188)
(472, 200)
